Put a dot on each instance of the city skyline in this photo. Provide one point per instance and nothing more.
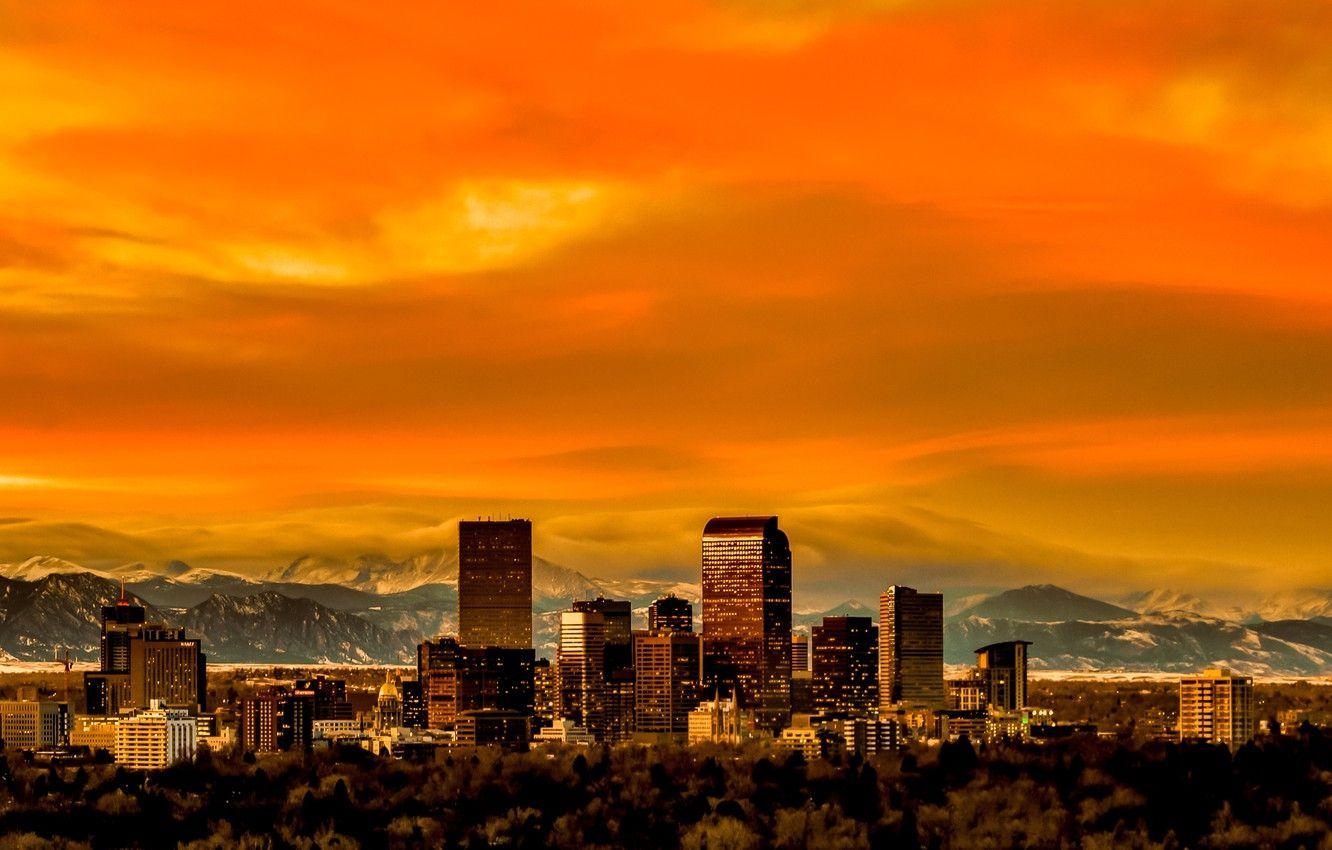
(294, 281)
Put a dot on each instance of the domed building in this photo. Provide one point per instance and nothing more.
(390, 704)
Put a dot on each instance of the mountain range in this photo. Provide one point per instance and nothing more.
(374, 609)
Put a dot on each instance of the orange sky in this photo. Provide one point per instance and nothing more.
(970, 293)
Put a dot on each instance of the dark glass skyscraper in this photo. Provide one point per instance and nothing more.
(495, 584)
(846, 676)
(671, 614)
(1003, 670)
(747, 614)
(910, 649)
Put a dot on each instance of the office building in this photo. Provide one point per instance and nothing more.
(845, 675)
(142, 662)
(486, 727)
(747, 614)
(1216, 706)
(413, 705)
(799, 652)
(329, 697)
(617, 615)
(1003, 669)
(910, 649)
(967, 693)
(495, 584)
(496, 678)
(671, 614)
(580, 662)
(668, 681)
(94, 731)
(153, 738)
(32, 724)
(455, 679)
(545, 692)
(261, 721)
(437, 670)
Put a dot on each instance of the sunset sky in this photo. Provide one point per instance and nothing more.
(969, 293)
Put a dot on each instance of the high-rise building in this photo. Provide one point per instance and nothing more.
(455, 679)
(910, 649)
(618, 616)
(260, 721)
(1002, 667)
(618, 661)
(142, 662)
(846, 676)
(671, 614)
(668, 681)
(1216, 706)
(799, 652)
(150, 739)
(545, 691)
(581, 665)
(747, 614)
(437, 670)
(495, 584)
(328, 695)
(118, 622)
(413, 705)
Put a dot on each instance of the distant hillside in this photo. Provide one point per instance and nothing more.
(1045, 603)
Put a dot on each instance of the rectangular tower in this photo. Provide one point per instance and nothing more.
(747, 614)
(581, 664)
(1216, 706)
(495, 584)
(910, 649)
(846, 676)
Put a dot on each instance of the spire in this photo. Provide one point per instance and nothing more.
(122, 600)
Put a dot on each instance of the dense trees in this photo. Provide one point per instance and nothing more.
(1079, 793)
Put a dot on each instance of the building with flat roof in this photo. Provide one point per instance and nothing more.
(910, 649)
(151, 739)
(846, 675)
(1216, 706)
(747, 614)
(495, 583)
(667, 681)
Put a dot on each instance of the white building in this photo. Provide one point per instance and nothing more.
(565, 731)
(32, 724)
(330, 729)
(155, 738)
(715, 721)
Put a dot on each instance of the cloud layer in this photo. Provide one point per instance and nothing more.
(967, 292)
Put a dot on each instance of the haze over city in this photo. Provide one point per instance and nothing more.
(970, 294)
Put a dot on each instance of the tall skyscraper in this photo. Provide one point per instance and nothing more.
(455, 679)
(910, 649)
(1002, 669)
(581, 662)
(142, 662)
(1216, 706)
(747, 614)
(671, 614)
(846, 676)
(495, 583)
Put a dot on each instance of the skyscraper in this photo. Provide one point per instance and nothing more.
(495, 584)
(1216, 706)
(581, 662)
(799, 652)
(667, 684)
(747, 614)
(846, 676)
(1002, 669)
(671, 614)
(910, 649)
(142, 662)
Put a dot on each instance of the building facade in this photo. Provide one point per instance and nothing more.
(581, 667)
(495, 584)
(671, 614)
(845, 674)
(667, 681)
(910, 649)
(1003, 669)
(1216, 706)
(747, 614)
(154, 738)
